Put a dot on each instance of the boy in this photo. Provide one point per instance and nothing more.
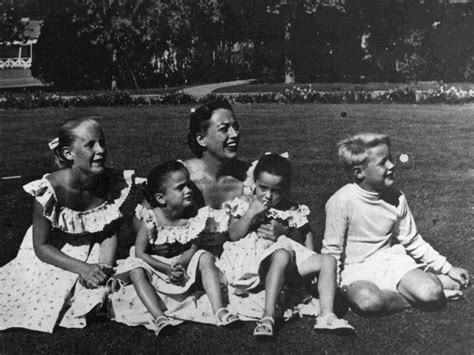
(371, 232)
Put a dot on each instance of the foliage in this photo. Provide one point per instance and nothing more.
(68, 60)
(152, 43)
(11, 27)
(118, 98)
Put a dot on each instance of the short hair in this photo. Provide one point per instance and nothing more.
(199, 122)
(157, 178)
(276, 165)
(352, 151)
(66, 138)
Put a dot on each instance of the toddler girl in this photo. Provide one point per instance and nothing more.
(260, 248)
(163, 284)
(66, 257)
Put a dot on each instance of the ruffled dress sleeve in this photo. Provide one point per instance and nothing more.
(237, 207)
(172, 234)
(81, 222)
(295, 218)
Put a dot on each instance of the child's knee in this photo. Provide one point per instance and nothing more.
(430, 291)
(281, 256)
(367, 300)
(206, 260)
(138, 273)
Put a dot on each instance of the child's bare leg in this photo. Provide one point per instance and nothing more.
(146, 292)
(422, 288)
(448, 283)
(210, 280)
(325, 267)
(274, 280)
(369, 300)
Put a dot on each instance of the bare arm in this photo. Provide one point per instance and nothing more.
(187, 255)
(141, 251)
(309, 241)
(92, 274)
(239, 227)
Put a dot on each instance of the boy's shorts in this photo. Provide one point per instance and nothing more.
(385, 268)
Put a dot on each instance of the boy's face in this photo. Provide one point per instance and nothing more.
(270, 189)
(378, 171)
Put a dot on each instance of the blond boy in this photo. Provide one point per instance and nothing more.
(382, 260)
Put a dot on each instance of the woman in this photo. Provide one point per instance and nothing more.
(217, 174)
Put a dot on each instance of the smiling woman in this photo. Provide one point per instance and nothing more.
(66, 257)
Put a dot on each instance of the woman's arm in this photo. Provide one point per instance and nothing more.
(141, 251)
(92, 274)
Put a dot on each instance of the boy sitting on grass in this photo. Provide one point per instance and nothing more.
(385, 265)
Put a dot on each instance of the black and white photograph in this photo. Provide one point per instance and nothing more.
(236, 176)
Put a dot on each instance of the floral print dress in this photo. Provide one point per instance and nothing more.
(179, 302)
(38, 296)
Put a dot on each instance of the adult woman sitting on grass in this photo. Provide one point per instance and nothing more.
(66, 257)
(217, 174)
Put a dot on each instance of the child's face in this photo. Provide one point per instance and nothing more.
(270, 189)
(177, 190)
(88, 150)
(378, 171)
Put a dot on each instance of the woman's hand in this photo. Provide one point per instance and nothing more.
(272, 230)
(95, 275)
(459, 275)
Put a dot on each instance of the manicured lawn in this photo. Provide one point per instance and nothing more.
(439, 190)
(281, 87)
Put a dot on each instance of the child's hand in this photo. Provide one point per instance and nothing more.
(272, 230)
(460, 275)
(256, 207)
(176, 273)
(94, 275)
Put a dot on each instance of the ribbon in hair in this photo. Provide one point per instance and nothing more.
(249, 184)
(53, 143)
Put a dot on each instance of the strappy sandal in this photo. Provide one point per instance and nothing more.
(161, 322)
(264, 327)
(331, 322)
(225, 318)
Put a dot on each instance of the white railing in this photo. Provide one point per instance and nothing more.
(24, 63)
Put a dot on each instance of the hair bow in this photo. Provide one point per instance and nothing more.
(54, 143)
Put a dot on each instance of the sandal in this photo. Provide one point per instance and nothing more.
(331, 322)
(161, 322)
(264, 327)
(224, 317)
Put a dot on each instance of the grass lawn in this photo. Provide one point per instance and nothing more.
(281, 87)
(439, 191)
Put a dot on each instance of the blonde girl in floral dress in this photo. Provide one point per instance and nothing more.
(164, 290)
(66, 257)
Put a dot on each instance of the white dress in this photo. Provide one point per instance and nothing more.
(36, 295)
(241, 260)
(180, 302)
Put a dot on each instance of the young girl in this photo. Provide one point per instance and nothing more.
(163, 284)
(66, 257)
(260, 251)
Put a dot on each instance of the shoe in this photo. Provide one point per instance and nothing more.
(453, 295)
(224, 317)
(331, 322)
(264, 327)
(161, 322)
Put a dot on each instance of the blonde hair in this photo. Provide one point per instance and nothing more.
(66, 138)
(352, 151)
